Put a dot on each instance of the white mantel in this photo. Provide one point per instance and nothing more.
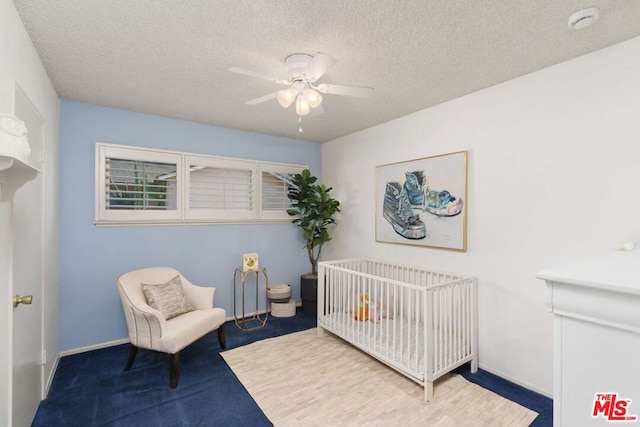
(596, 307)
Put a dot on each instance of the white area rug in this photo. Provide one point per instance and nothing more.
(304, 380)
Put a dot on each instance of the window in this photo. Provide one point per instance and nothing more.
(275, 179)
(220, 189)
(137, 185)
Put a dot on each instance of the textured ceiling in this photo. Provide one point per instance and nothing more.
(171, 57)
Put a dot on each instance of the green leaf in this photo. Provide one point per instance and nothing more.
(314, 209)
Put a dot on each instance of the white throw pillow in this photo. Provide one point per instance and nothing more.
(168, 298)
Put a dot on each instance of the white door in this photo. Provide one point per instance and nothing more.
(27, 277)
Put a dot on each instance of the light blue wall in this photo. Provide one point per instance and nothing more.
(91, 258)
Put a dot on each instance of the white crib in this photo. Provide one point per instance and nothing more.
(421, 322)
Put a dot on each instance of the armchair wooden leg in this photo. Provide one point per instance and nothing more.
(221, 337)
(133, 351)
(173, 369)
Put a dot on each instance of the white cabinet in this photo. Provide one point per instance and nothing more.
(596, 308)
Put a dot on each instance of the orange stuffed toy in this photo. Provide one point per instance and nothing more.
(363, 309)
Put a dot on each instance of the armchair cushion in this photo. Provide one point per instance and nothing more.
(183, 330)
(169, 298)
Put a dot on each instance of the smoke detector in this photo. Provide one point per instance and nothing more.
(583, 18)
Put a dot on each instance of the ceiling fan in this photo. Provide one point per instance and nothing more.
(303, 73)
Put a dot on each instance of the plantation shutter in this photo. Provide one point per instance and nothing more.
(137, 185)
(140, 185)
(220, 189)
(274, 187)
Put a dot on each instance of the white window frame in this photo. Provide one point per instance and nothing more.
(103, 152)
(183, 214)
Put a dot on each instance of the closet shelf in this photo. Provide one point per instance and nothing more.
(14, 173)
(10, 162)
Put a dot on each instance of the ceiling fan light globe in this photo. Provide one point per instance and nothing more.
(302, 106)
(286, 97)
(313, 97)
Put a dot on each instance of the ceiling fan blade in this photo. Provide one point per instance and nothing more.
(359, 91)
(262, 99)
(318, 66)
(257, 75)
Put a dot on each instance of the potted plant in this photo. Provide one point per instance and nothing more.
(314, 210)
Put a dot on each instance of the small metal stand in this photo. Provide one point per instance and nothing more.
(259, 319)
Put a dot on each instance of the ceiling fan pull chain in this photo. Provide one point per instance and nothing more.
(300, 124)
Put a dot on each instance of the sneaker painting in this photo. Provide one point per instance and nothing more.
(397, 210)
(429, 192)
(420, 196)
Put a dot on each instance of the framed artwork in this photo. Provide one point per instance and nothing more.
(249, 262)
(423, 202)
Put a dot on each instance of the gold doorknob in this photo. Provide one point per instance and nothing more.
(27, 299)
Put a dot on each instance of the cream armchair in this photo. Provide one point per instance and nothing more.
(152, 328)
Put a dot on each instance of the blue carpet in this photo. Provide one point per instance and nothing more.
(514, 392)
(91, 389)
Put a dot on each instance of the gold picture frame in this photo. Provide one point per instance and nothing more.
(423, 202)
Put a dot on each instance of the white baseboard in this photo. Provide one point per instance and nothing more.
(126, 340)
(520, 383)
(49, 381)
(93, 347)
